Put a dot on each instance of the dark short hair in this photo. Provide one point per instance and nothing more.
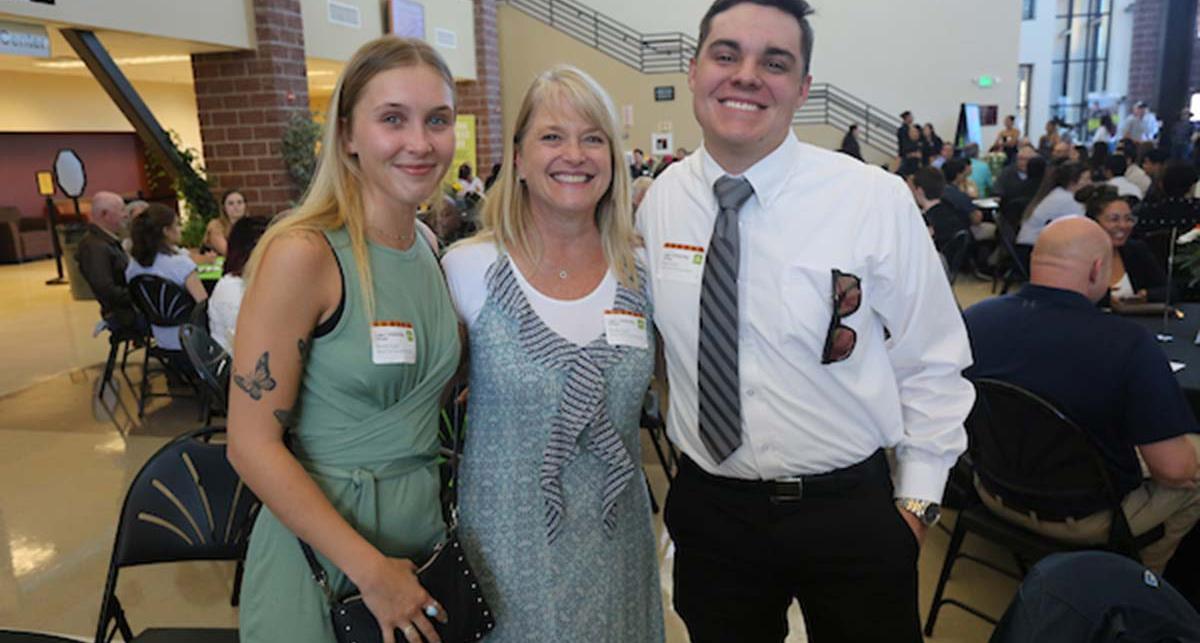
(638, 150)
(798, 9)
(952, 169)
(905, 114)
(243, 236)
(1096, 197)
(931, 182)
(1116, 164)
(1178, 179)
(1156, 155)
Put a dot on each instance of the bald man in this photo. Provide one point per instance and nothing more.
(102, 261)
(1104, 372)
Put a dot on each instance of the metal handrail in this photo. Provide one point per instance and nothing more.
(671, 52)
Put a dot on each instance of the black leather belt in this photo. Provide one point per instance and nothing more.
(821, 485)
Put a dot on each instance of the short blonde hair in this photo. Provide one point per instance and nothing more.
(506, 213)
(334, 198)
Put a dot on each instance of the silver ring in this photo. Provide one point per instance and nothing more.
(432, 611)
(408, 630)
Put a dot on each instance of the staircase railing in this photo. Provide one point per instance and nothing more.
(653, 53)
(662, 53)
(829, 105)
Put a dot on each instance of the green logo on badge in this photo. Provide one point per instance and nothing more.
(641, 324)
(697, 258)
(409, 335)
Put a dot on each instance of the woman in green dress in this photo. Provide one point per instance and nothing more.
(345, 342)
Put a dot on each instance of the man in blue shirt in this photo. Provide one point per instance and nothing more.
(1104, 372)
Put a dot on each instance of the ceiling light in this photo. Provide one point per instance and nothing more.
(131, 60)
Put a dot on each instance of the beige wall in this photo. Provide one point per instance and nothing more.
(523, 46)
(60, 103)
(917, 54)
(326, 40)
(219, 22)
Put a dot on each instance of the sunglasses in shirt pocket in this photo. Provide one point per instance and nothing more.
(806, 291)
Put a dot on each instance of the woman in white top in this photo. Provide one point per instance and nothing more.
(561, 353)
(470, 182)
(1054, 199)
(226, 297)
(156, 235)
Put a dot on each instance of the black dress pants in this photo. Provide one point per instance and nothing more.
(742, 556)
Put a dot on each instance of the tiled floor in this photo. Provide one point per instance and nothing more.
(63, 475)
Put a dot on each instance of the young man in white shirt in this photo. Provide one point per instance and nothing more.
(807, 325)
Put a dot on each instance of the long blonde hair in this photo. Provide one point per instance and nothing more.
(334, 197)
(506, 214)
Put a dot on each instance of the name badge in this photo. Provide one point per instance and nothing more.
(625, 328)
(682, 263)
(393, 342)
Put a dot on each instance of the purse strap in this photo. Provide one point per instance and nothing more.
(456, 428)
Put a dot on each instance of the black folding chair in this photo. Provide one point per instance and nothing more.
(1026, 452)
(1014, 267)
(186, 504)
(956, 250)
(162, 303)
(212, 366)
(120, 342)
(14, 636)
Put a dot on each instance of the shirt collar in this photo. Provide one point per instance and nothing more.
(1056, 296)
(105, 232)
(768, 176)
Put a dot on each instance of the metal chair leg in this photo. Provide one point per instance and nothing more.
(650, 492)
(956, 540)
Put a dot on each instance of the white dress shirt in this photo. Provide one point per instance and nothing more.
(1138, 176)
(1058, 203)
(812, 211)
(1125, 187)
(223, 307)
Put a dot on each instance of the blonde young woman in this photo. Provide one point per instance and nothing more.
(345, 341)
(553, 510)
(216, 234)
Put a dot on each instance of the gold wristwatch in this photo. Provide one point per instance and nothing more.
(925, 511)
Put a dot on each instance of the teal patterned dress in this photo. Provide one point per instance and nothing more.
(554, 512)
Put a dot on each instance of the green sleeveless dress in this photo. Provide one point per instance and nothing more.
(367, 434)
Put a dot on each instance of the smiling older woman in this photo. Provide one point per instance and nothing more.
(561, 353)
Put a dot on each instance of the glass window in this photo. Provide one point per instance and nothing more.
(1028, 9)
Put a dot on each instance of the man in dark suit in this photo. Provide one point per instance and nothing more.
(102, 261)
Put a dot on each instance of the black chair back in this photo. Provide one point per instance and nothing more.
(1012, 209)
(186, 503)
(1028, 453)
(1007, 234)
(162, 302)
(955, 251)
(199, 315)
(209, 360)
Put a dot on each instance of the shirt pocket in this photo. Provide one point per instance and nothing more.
(806, 292)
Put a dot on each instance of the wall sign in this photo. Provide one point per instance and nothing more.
(24, 40)
(345, 14)
(406, 19)
(664, 93)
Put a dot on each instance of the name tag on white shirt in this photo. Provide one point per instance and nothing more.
(393, 342)
(625, 328)
(682, 263)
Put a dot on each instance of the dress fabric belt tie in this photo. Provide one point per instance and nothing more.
(365, 484)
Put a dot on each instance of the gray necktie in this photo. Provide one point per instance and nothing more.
(717, 361)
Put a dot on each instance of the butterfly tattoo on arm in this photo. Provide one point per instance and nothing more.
(260, 381)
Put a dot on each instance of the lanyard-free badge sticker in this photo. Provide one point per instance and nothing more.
(393, 342)
(625, 328)
(682, 263)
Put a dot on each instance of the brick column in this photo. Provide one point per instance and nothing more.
(245, 100)
(481, 97)
(1144, 63)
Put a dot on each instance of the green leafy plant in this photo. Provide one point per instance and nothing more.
(192, 188)
(301, 145)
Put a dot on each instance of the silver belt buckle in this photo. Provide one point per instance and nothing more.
(796, 480)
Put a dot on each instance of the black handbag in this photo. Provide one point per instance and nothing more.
(447, 576)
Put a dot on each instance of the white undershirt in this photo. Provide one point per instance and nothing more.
(577, 320)
(1123, 289)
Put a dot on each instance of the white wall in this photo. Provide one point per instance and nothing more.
(917, 54)
(329, 41)
(1038, 40)
(60, 103)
